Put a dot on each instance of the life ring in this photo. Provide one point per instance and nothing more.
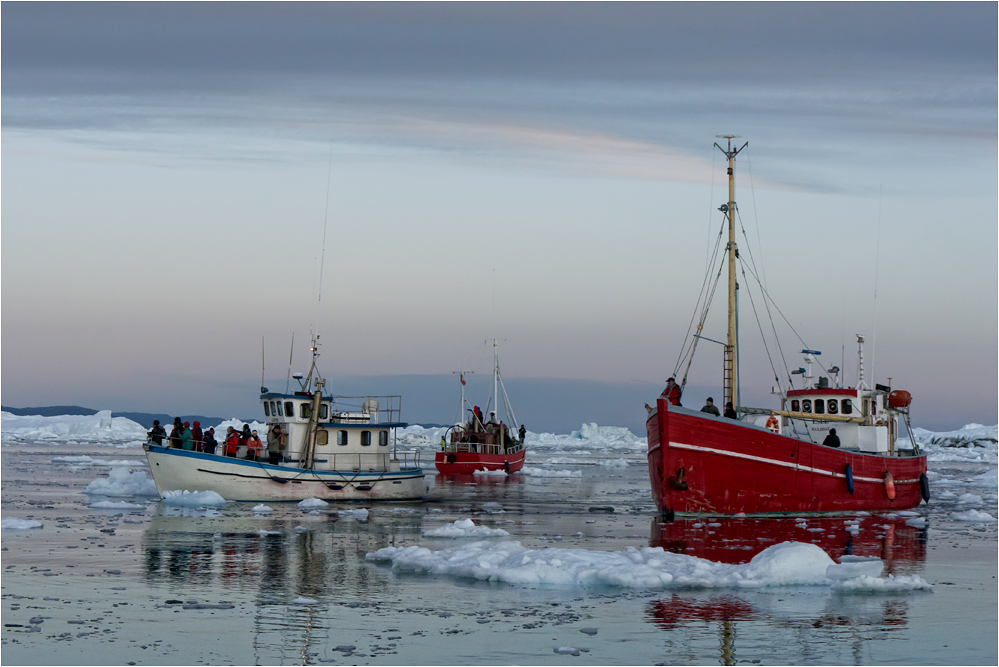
(889, 486)
(849, 479)
(773, 423)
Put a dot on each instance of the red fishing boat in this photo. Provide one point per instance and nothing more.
(479, 444)
(773, 461)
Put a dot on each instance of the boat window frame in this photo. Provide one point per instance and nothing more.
(832, 406)
(324, 410)
(847, 407)
(795, 405)
(289, 409)
(342, 437)
(819, 406)
(267, 409)
(276, 409)
(806, 405)
(322, 437)
(383, 439)
(305, 411)
(365, 438)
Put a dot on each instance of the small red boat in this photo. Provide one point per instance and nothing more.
(827, 449)
(477, 445)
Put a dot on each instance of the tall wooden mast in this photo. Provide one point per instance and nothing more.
(731, 367)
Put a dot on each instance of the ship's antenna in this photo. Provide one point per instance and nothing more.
(287, 386)
(262, 365)
(877, 268)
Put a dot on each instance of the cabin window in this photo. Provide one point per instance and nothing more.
(795, 405)
(322, 437)
(275, 409)
(289, 409)
(305, 410)
(833, 406)
(365, 438)
(847, 406)
(324, 410)
(267, 409)
(383, 438)
(341, 438)
(806, 405)
(820, 406)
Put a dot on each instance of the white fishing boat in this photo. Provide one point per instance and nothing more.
(335, 448)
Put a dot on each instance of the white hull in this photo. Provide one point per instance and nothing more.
(241, 480)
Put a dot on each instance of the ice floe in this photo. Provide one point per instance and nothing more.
(490, 473)
(116, 505)
(187, 498)
(465, 528)
(121, 482)
(358, 514)
(68, 429)
(10, 523)
(973, 516)
(541, 472)
(785, 564)
(313, 504)
(88, 461)
(262, 509)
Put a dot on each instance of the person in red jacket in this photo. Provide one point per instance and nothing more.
(231, 442)
(672, 392)
(254, 447)
(198, 436)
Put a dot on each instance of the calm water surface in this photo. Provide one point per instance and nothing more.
(172, 586)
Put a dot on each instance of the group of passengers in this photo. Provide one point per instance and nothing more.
(184, 436)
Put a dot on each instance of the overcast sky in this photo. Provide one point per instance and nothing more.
(542, 173)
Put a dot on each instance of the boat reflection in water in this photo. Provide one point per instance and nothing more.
(809, 624)
(480, 480)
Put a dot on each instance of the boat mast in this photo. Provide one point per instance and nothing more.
(495, 377)
(731, 365)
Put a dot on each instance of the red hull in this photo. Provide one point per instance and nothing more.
(721, 466)
(466, 463)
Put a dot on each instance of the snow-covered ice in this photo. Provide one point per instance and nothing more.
(193, 498)
(973, 516)
(116, 505)
(121, 482)
(358, 514)
(541, 472)
(465, 528)
(10, 523)
(313, 504)
(785, 564)
(262, 509)
(67, 429)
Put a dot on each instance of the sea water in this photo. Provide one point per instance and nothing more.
(563, 564)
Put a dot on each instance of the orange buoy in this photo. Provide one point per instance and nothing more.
(899, 399)
(889, 486)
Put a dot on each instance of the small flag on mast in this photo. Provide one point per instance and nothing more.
(461, 376)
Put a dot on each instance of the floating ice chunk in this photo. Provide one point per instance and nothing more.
(312, 504)
(889, 584)
(88, 461)
(946, 495)
(615, 463)
(739, 515)
(264, 533)
(538, 472)
(262, 509)
(489, 473)
(492, 508)
(193, 498)
(402, 510)
(304, 601)
(121, 482)
(120, 505)
(465, 528)
(10, 523)
(854, 569)
(969, 499)
(917, 522)
(359, 514)
(566, 650)
(789, 563)
(301, 529)
(973, 516)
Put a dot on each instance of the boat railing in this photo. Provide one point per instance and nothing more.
(366, 409)
(368, 462)
(481, 447)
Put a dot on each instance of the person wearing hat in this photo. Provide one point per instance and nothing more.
(157, 433)
(730, 411)
(275, 443)
(175, 432)
(231, 442)
(199, 437)
(709, 407)
(254, 447)
(832, 440)
(208, 447)
(672, 392)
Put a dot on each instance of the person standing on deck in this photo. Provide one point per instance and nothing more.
(175, 432)
(209, 445)
(275, 443)
(709, 407)
(198, 436)
(231, 442)
(522, 432)
(254, 447)
(186, 439)
(157, 433)
(672, 392)
(832, 440)
(730, 411)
